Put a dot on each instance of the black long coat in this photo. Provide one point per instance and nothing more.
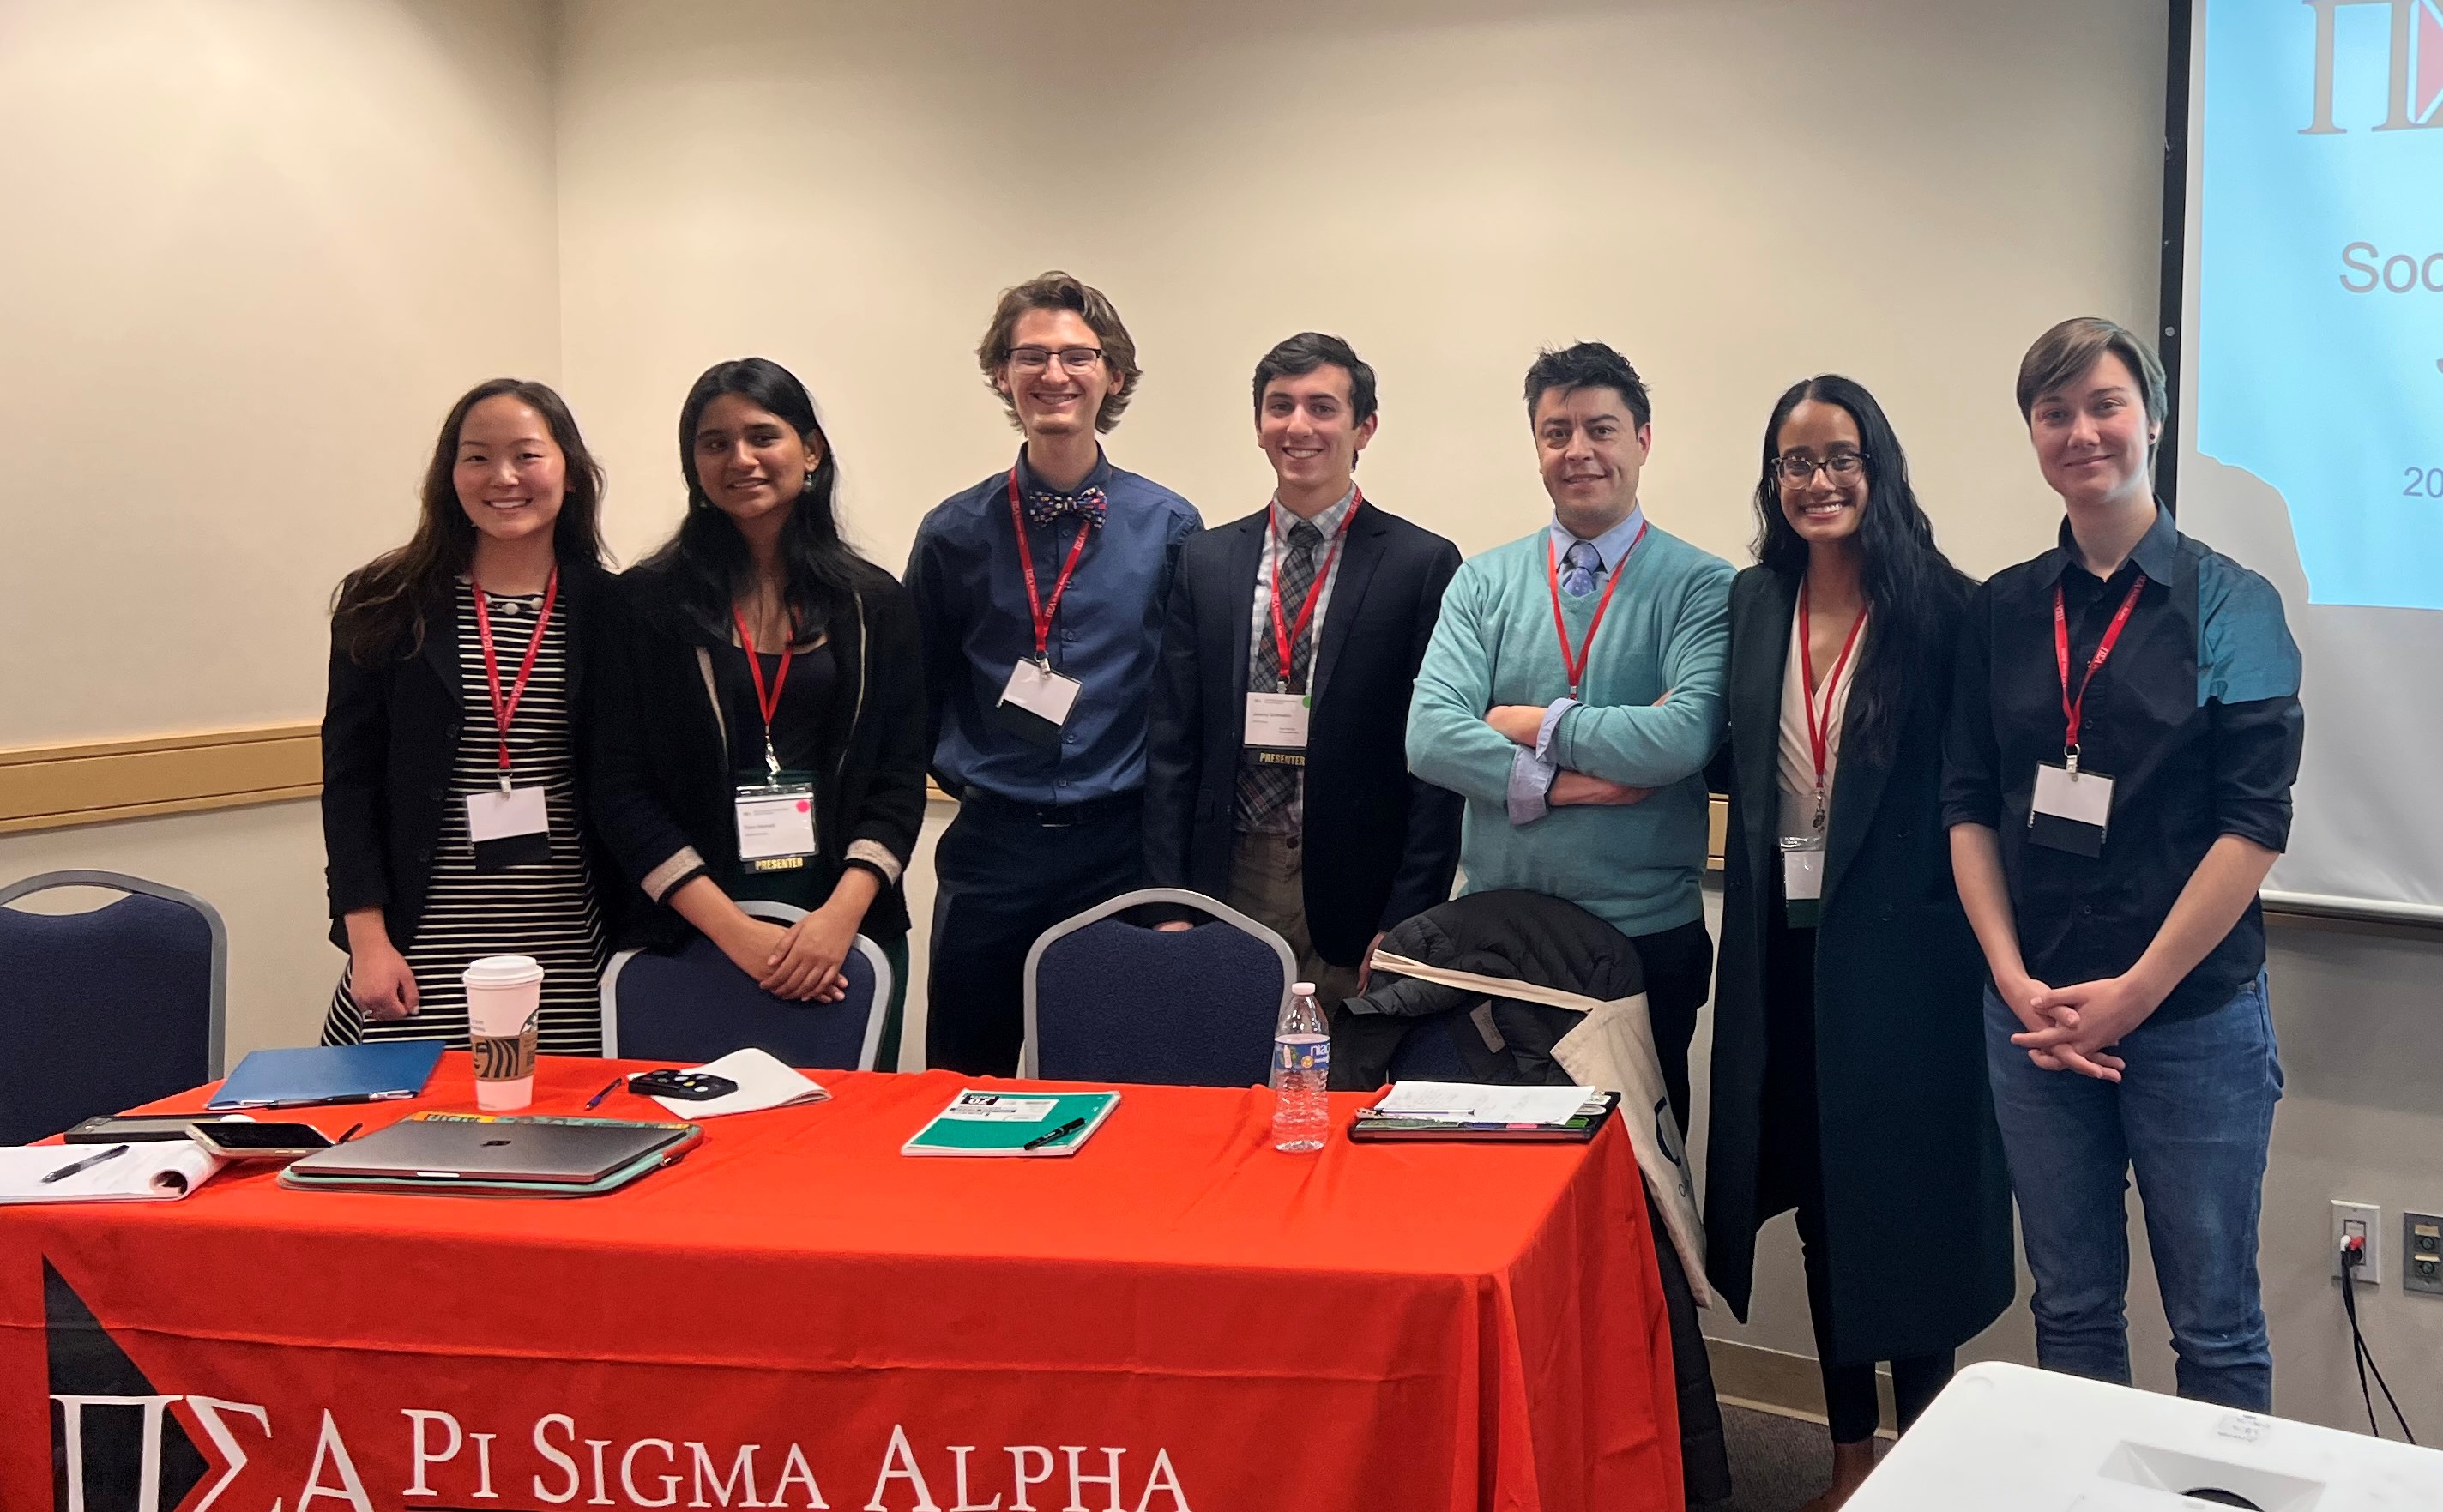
(1917, 1199)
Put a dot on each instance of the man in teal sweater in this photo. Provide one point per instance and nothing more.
(1572, 694)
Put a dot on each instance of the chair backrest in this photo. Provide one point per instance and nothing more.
(1112, 1001)
(1429, 1050)
(695, 1005)
(107, 1008)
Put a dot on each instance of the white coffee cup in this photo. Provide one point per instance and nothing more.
(504, 1000)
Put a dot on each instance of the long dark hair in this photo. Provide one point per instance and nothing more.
(707, 561)
(380, 609)
(1913, 591)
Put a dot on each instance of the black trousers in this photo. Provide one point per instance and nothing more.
(1793, 1166)
(1003, 874)
(1678, 977)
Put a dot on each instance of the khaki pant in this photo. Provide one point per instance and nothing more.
(1267, 884)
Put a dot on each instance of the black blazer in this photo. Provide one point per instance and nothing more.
(662, 786)
(1917, 1201)
(390, 738)
(1380, 846)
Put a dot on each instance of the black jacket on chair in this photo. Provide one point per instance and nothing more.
(1917, 1201)
(663, 788)
(1379, 845)
(390, 738)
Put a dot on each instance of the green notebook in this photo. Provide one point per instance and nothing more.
(1014, 1124)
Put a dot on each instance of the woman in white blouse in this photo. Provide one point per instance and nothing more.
(1848, 1072)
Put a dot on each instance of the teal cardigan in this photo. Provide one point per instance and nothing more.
(1651, 716)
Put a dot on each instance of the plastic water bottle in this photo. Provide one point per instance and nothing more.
(1301, 1069)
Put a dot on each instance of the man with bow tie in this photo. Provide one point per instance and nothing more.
(1277, 775)
(1572, 694)
(1039, 598)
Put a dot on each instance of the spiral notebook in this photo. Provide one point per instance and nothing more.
(158, 1172)
(1020, 1123)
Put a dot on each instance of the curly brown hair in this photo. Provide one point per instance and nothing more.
(1056, 290)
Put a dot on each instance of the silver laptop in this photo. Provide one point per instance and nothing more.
(426, 1149)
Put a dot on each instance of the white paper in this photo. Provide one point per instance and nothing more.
(779, 825)
(2082, 796)
(1468, 1102)
(1046, 695)
(500, 815)
(1277, 722)
(763, 1082)
(150, 1171)
(1802, 875)
(995, 1108)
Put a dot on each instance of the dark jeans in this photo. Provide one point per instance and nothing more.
(1795, 1125)
(1679, 966)
(2193, 1114)
(1003, 874)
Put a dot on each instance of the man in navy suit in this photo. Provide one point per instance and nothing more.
(1276, 768)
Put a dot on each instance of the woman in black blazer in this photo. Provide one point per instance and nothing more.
(1848, 1072)
(761, 729)
(430, 865)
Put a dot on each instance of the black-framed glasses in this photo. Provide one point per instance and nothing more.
(1034, 360)
(1798, 468)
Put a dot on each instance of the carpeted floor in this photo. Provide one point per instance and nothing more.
(1777, 1462)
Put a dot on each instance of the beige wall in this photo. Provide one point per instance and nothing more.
(1736, 194)
(255, 249)
(257, 246)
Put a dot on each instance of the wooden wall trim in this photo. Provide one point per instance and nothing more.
(59, 786)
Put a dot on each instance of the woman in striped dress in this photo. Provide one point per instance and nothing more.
(453, 806)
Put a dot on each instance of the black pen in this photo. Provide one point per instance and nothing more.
(596, 1101)
(1055, 1136)
(350, 1134)
(85, 1164)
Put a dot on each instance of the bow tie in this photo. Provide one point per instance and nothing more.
(1044, 508)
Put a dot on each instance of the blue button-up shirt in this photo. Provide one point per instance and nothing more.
(971, 610)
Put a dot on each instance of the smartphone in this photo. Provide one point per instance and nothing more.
(139, 1128)
(261, 1141)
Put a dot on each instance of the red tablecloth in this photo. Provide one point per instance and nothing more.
(798, 1315)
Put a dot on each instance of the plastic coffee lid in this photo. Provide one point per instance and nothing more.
(503, 971)
(1296, 989)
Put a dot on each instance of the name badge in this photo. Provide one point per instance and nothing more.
(1277, 722)
(775, 824)
(1036, 703)
(1802, 880)
(511, 827)
(2071, 809)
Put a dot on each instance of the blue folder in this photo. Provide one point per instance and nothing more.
(329, 1073)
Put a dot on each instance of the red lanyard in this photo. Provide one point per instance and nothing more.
(2071, 706)
(1286, 634)
(768, 704)
(1574, 662)
(1819, 728)
(1042, 609)
(505, 709)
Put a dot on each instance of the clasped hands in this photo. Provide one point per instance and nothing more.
(799, 961)
(2074, 1028)
(1520, 724)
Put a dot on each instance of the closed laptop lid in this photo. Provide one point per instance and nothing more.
(503, 1150)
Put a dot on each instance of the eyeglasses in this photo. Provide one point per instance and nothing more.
(1034, 360)
(1798, 468)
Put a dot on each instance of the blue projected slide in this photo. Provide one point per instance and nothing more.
(2318, 335)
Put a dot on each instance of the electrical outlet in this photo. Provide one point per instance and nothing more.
(2421, 1253)
(2363, 1220)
